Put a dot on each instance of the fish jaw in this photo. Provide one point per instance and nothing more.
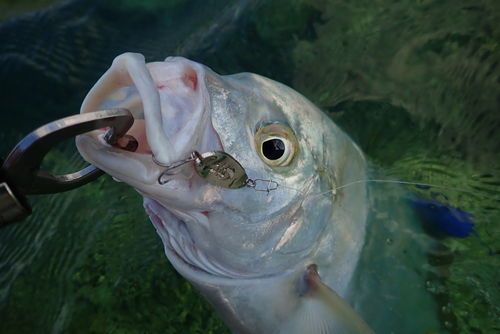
(180, 248)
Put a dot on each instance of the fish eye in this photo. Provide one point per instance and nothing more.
(276, 144)
(273, 149)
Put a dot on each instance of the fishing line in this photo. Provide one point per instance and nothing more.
(398, 182)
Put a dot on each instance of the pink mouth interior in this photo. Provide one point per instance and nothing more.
(171, 110)
(138, 131)
(190, 79)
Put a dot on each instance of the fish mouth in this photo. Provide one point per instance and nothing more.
(172, 116)
(180, 246)
(172, 108)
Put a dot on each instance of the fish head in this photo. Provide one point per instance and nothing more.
(215, 234)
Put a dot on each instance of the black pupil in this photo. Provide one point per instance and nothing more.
(273, 149)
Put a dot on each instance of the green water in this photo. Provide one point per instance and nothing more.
(415, 83)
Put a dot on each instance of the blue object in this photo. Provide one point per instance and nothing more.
(441, 220)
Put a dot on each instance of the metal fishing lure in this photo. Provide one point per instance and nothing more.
(218, 168)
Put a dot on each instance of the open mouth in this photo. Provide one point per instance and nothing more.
(170, 104)
(172, 118)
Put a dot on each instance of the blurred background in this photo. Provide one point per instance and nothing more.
(415, 83)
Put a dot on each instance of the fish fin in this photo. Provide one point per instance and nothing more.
(322, 310)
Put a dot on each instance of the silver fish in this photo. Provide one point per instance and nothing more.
(258, 256)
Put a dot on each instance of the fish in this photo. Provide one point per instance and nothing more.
(303, 255)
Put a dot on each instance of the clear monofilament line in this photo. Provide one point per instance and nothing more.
(401, 182)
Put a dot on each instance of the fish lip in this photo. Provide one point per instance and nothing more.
(157, 137)
(180, 247)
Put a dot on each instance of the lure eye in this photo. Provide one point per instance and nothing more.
(276, 144)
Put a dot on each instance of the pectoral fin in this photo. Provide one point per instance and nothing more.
(322, 310)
